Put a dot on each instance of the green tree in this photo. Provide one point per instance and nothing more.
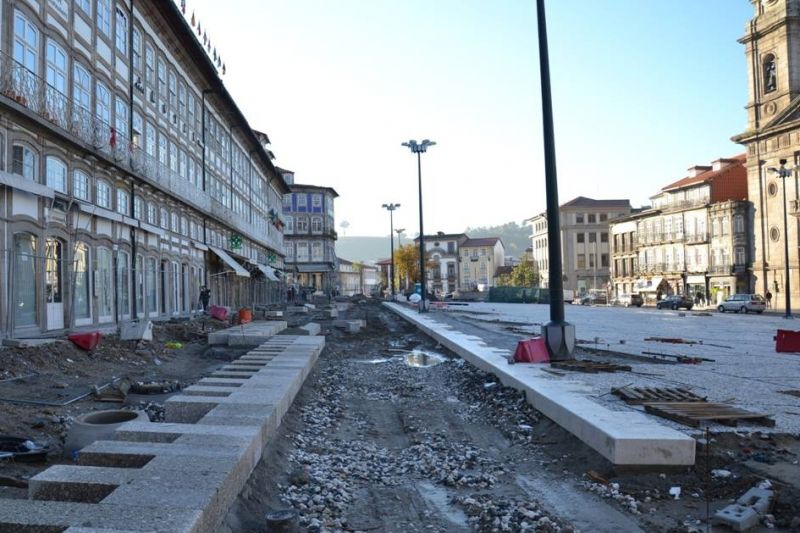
(406, 262)
(524, 274)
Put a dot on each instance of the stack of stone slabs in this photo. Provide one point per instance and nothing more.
(181, 475)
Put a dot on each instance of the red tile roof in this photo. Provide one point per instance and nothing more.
(704, 177)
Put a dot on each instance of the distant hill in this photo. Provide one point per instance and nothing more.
(515, 238)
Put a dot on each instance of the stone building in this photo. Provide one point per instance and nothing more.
(442, 255)
(584, 242)
(309, 236)
(694, 240)
(772, 135)
(480, 258)
(128, 175)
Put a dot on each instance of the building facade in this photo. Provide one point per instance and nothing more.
(695, 239)
(128, 175)
(442, 255)
(357, 278)
(772, 136)
(310, 235)
(585, 246)
(480, 258)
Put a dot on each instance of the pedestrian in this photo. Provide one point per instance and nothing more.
(769, 299)
(205, 297)
(290, 294)
(697, 298)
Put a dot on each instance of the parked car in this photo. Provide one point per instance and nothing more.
(594, 298)
(630, 300)
(744, 303)
(676, 301)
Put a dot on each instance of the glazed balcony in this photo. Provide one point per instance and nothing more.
(24, 88)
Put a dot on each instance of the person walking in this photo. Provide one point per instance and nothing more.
(769, 299)
(205, 297)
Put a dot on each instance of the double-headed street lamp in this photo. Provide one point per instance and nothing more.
(391, 208)
(784, 173)
(419, 149)
(400, 232)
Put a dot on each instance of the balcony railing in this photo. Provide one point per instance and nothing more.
(19, 84)
(696, 238)
(725, 268)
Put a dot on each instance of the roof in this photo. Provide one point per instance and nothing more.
(503, 270)
(296, 187)
(384, 262)
(442, 236)
(344, 261)
(485, 241)
(582, 201)
(710, 175)
(178, 25)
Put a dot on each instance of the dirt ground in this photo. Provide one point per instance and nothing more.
(57, 373)
(372, 444)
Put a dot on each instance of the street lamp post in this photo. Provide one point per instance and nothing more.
(391, 208)
(400, 232)
(784, 173)
(558, 334)
(419, 149)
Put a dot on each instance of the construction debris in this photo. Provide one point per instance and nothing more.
(642, 395)
(694, 413)
(748, 509)
(591, 367)
(684, 359)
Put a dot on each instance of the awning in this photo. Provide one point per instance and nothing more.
(313, 267)
(268, 272)
(230, 261)
(695, 280)
(648, 285)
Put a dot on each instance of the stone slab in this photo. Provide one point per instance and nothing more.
(25, 515)
(273, 314)
(254, 333)
(136, 331)
(297, 309)
(623, 437)
(169, 432)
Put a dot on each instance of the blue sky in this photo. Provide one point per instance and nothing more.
(642, 90)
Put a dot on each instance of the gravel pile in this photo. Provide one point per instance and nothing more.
(329, 471)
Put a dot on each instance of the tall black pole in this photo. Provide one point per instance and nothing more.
(422, 307)
(559, 336)
(391, 240)
(788, 288)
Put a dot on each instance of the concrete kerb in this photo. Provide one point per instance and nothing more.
(198, 469)
(623, 437)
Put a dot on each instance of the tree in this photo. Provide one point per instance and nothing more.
(406, 262)
(344, 225)
(524, 274)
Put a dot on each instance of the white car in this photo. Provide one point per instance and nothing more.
(744, 303)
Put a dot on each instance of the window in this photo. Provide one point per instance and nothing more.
(182, 100)
(26, 43)
(726, 226)
(302, 251)
(289, 221)
(184, 226)
(591, 260)
(739, 255)
(55, 173)
(162, 78)
(151, 214)
(580, 237)
(81, 87)
(603, 217)
(23, 162)
(316, 251)
(80, 185)
(182, 170)
(173, 99)
(604, 237)
(136, 45)
(772, 189)
(738, 224)
(104, 17)
(150, 284)
(56, 69)
(774, 234)
(103, 103)
(604, 260)
(150, 139)
(82, 296)
(175, 224)
(581, 260)
(592, 218)
(138, 207)
(715, 227)
(316, 200)
(122, 201)
(123, 283)
(163, 152)
(85, 5)
(121, 117)
(316, 225)
(164, 218)
(770, 74)
(579, 218)
(173, 156)
(149, 66)
(121, 32)
(301, 225)
(593, 237)
(25, 300)
(103, 193)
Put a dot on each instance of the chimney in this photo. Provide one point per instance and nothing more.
(697, 170)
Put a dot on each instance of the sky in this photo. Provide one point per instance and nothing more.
(642, 90)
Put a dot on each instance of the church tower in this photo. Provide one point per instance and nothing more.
(772, 49)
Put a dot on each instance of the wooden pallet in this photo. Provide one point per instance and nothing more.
(591, 367)
(693, 413)
(640, 395)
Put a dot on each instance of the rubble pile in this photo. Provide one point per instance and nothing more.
(488, 513)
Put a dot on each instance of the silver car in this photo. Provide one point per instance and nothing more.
(745, 303)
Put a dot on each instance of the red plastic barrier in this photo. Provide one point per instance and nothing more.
(532, 351)
(87, 341)
(220, 313)
(787, 341)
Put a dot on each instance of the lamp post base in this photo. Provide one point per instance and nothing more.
(560, 340)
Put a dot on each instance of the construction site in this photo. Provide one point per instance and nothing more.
(365, 415)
